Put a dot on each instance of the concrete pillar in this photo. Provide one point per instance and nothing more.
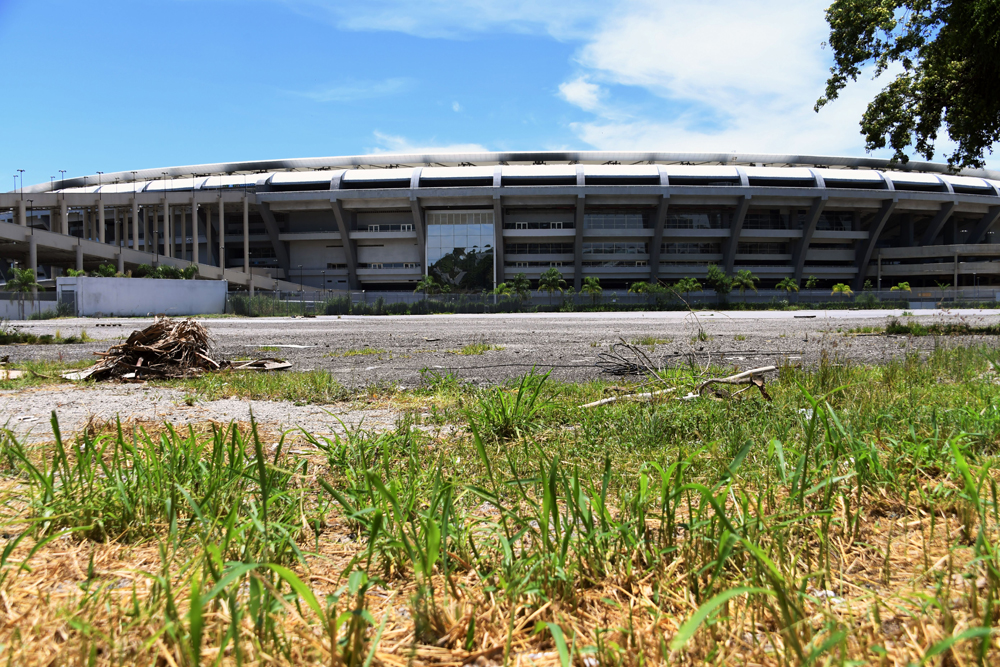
(33, 260)
(121, 262)
(52, 220)
(578, 243)
(168, 230)
(222, 235)
(145, 228)
(195, 238)
(79, 256)
(135, 224)
(208, 233)
(22, 213)
(184, 242)
(63, 217)
(246, 235)
(119, 226)
(101, 226)
(84, 222)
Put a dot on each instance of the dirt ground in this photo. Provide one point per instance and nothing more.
(402, 349)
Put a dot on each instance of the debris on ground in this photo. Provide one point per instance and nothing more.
(753, 378)
(167, 349)
(625, 359)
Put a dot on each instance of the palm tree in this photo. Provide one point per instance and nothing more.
(687, 285)
(551, 281)
(22, 282)
(521, 286)
(429, 285)
(503, 289)
(592, 286)
(788, 284)
(842, 288)
(744, 280)
(901, 287)
(639, 287)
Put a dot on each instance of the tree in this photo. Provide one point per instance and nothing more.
(687, 285)
(842, 288)
(74, 273)
(719, 281)
(551, 281)
(592, 286)
(901, 287)
(22, 281)
(503, 289)
(521, 286)
(812, 282)
(788, 284)
(744, 280)
(640, 287)
(948, 54)
(108, 271)
(428, 285)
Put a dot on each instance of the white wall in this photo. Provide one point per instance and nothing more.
(9, 310)
(130, 297)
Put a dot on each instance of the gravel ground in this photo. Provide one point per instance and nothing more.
(27, 412)
(567, 343)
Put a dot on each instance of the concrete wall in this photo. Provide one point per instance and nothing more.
(130, 297)
(9, 310)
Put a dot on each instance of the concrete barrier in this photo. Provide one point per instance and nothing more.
(139, 297)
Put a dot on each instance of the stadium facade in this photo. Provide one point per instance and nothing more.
(473, 220)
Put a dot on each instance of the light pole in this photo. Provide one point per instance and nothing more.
(21, 172)
(31, 217)
(52, 183)
(62, 178)
(133, 182)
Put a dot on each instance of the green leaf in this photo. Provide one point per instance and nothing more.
(560, 640)
(945, 644)
(691, 625)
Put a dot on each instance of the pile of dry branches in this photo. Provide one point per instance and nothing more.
(165, 349)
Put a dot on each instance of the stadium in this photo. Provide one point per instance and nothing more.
(472, 220)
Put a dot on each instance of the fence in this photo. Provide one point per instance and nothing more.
(16, 306)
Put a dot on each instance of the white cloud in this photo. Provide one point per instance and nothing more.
(581, 93)
(460, 19)
(356, 90)
(456, 107)
(390, 143)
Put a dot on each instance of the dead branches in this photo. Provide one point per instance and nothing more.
(165, 349)
(753, 377)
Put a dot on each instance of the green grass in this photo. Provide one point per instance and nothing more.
(301, 387)
(651, 341)
(365, 351)
(657, 532)
(478, 348)
(11, 335)
(912, 327)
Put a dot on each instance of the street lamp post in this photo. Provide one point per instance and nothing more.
(62, 178)
(21, 172)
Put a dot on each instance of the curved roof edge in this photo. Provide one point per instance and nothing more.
(501, 157)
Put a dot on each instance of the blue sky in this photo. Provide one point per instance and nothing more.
(117, 85)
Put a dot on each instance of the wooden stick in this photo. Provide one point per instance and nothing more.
(649, 394)
(739, 378)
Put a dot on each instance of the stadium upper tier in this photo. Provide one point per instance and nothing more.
(473, 220)
(526, 168)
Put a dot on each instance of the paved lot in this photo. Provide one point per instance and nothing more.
(568, 343)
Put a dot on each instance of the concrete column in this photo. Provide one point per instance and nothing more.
(119, 226)
(84, 222)
(498, 249)
(246, 235)
(22, 213)
(184, 242)
(168, 230)
(101, 226)
(63, 217)
(52, 220)
(79, 255)
(195, 238)
(135, 224)
(145, 228)
(33, 260)
(208, 233)
(954, 280)
(121, 261)
(578, 243)
(878, 282)
(222, 235)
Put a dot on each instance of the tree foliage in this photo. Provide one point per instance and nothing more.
(551, 281)
(788, 284)
(719, 281)
(592, 286)
(949, 54)
(744, 280)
